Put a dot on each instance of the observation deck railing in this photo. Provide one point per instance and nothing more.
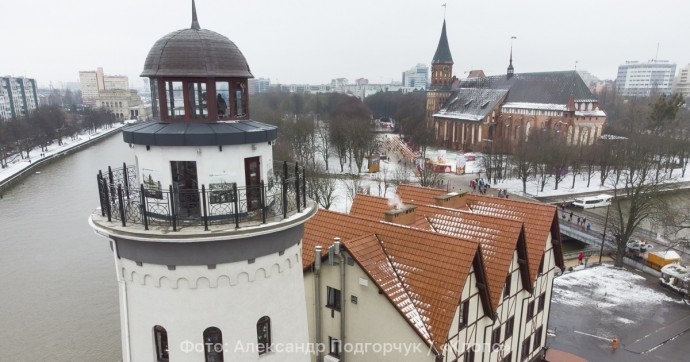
(123, 197)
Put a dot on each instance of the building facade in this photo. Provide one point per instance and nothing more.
(639, 79)
(259, 85)
(481, 111)
(423, 283)
(417, 77)
(205, 229)
(682, 83)
(18, 97)
(112, 93)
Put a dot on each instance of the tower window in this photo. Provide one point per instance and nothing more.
(263, 334)
(334, 347)
(213, 345)
(160, 338)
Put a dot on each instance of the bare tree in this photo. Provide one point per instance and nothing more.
(322, 186)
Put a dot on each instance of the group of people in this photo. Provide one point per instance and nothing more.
(480, 185)
(581, 221)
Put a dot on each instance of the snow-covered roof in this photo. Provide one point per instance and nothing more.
(471, 104)
(594, 113)
(540, 106)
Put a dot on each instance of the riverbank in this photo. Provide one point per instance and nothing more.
(19, 168)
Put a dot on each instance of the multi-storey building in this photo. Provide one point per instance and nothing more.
(112, 93)
(682, 82)
(638, 79)
(259, 85)
(417, 77)
(442, 277)
(18, 97)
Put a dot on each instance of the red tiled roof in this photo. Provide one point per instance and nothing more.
(419, 195)
(538, 219)
(497, 235)
(431, 268)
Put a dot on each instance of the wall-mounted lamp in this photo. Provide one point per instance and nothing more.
(253, 147)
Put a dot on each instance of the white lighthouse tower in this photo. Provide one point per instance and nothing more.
(205, 227)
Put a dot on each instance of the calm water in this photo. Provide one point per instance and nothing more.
(58, 290)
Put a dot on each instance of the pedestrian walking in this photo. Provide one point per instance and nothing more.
(589, 227)
(580, 257)
(571, 217)
(578, 220)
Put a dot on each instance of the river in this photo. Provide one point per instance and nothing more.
(58, 289)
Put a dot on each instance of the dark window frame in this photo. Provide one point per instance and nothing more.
(263, 334)
(510, 325)
(338, 350)
(530, 311)
(495, 336)
(526, 348)
(213, 338)
(506, 288)
(542, 302)
(464, 315)
(537, 339)
(160, 339)
(333, 298)
(469, 356)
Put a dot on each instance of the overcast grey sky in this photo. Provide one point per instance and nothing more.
(314, 41)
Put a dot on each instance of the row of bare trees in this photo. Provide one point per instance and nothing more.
(45, 125)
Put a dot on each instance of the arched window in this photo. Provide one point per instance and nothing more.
(263, 334)
(213, 344)
(160, 338)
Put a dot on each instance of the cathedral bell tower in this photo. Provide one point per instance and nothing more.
(441, 77)
(205, 227)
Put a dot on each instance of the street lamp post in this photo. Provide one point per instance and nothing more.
(603, 238)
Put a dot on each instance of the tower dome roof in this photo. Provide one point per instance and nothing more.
(195, 52)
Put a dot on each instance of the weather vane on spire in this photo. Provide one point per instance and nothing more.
(444, 10)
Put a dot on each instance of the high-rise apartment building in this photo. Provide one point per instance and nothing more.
(682, 82)
(259, 85)
(637, 79)
(18, 97)
(416, 77)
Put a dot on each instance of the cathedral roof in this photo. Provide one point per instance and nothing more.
(442, 55)
(471, 104)
(195, 52)
(542, 87)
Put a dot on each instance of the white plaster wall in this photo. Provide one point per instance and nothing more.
(372, 320)
(227, 164)
(231, 297)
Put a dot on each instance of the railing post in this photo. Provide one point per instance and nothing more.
(285, 170)
(144, 215)
(262, 197)
(284, 198)
(237, 206)
(100, 194)
(122, 206)
(203, 195)
(124, 174)
(108, 211)
(304, 187)
(297, 187)
(173, 216)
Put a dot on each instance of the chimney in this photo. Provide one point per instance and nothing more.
(404, 216)
(452, 200)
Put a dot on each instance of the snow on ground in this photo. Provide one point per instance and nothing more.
(16, 164)
(610, 288)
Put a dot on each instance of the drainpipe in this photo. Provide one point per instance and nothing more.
(317, 300)
(125, 304)
(340, 255)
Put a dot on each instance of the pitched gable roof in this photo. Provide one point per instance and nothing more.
(431, 268)
(498, 236)
(418, 194)
(537, 217)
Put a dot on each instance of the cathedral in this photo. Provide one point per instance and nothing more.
(467, 114)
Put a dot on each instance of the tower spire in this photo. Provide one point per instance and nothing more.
(195, 21)
(511, 70)
(442, 55)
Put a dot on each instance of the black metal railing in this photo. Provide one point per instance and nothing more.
(122, 197)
